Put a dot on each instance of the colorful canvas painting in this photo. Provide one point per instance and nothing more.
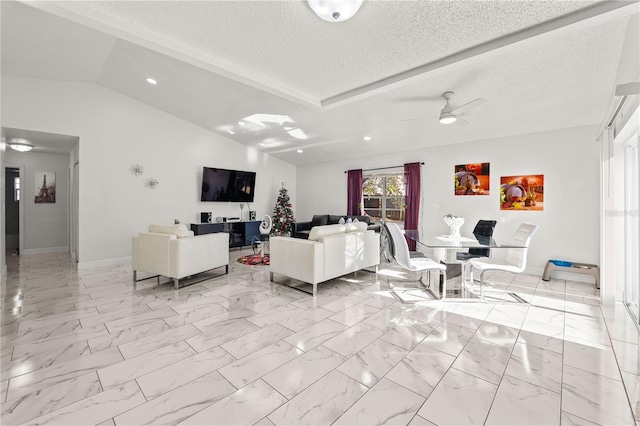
(522, 192)
(45, 187)
(471, 179)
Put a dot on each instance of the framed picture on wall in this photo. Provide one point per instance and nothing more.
(45, 187)
(471, 179)
(524, 192)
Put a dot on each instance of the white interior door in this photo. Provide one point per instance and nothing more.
(632, 227)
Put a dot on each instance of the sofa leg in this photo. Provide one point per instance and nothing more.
(135, 276)
(158, 279)
(226, 269)
(270, 276)
(175, 283)
(315, 290)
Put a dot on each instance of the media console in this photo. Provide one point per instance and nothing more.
(240, 233)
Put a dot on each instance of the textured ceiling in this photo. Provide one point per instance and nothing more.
(272, 64)
(284, 43)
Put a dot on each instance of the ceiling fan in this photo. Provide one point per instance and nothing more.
(450, 115)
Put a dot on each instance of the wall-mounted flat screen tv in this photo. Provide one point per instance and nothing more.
(227, 185)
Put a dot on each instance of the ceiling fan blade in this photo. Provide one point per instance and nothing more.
(461, 122)
(628, 89)
(413, 119)
(468, 106)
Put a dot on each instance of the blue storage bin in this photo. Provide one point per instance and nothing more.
(561, 263)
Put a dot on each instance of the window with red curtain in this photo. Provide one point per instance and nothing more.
(354, 192)
(412, 198)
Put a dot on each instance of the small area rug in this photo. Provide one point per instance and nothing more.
(254, 259)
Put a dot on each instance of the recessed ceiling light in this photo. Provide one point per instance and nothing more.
(300, 151)
(151, 81)
(367, 138)
(241, 123)
(262, 144)
(231, 132)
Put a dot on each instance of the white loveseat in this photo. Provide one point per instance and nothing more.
(331, 251)
(173, 251)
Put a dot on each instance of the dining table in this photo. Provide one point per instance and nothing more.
(445, 247)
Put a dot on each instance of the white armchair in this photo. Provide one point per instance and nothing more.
(174, 252)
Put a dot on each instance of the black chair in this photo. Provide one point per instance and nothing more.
(482, 231)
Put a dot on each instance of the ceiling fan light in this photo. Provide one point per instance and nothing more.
(447, 118)
(335, 10)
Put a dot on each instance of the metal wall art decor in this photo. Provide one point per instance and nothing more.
(524, 192)
(45, 187)
(136, 169)
(151, 183)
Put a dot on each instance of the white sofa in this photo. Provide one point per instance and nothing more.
(331, 251)
(173, 251)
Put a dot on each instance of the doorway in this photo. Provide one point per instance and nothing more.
(12, 213)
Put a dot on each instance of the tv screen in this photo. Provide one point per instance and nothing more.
(227, 185)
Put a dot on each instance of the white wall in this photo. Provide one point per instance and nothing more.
(568, 159)
(115, 132)
(46, 224)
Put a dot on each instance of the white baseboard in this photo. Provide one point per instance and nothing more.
(61, 249)
(104, 262)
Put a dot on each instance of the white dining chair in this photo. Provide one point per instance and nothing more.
(516, 260)
(416, 264)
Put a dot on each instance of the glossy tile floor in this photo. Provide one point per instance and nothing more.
(89, 347)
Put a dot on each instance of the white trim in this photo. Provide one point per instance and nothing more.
(3, 276)
(105, 262)
(61, 249)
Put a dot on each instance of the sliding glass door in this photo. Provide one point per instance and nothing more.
(632, 227)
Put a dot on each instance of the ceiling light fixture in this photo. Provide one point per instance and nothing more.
(335, 10)
(300, 151)
(231, 132)
(21, 145)
(241, 123)
(447, 118)
(367, 138)
(152, 81)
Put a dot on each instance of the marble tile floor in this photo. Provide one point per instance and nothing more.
(91, 348)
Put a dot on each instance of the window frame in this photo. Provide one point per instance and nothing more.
(385, 197)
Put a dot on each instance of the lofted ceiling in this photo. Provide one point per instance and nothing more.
(296, 82)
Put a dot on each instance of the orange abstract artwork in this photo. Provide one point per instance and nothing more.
(522, 192)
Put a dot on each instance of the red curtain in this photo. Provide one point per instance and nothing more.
(354, 192)
(412, 198)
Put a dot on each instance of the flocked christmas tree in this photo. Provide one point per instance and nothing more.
(282, 214)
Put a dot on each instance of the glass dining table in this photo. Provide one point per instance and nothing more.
(452, 244)
(445, 247)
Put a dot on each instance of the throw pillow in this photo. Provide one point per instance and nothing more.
(356, 220)
(349, 220)
(357, 227)
(341, 221)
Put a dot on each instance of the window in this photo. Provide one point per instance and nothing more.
(383, 196)
(16, 188)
